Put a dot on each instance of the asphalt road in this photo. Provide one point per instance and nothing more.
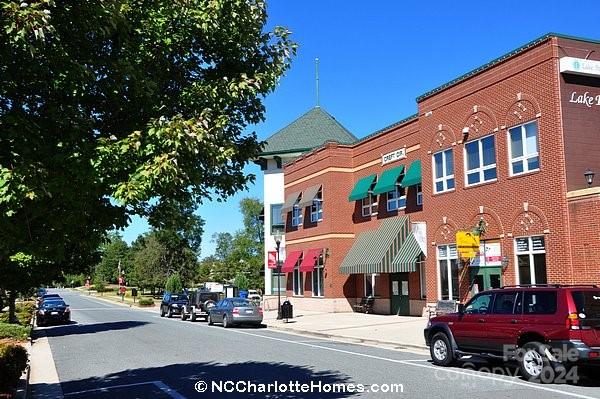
(110, 351)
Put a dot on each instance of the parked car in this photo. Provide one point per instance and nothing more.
(231, 311)
(254, 296)
(198, 304)
(45, 297)
(172, 304)
(53, 311)
(545, 328)
(41, 292)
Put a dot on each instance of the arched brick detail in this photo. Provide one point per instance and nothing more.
(524, 109)
(446, 233)
(532, 221)
(493, 224)
(481, 122)
(443, 138)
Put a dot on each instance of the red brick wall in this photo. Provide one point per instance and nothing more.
(584, 218)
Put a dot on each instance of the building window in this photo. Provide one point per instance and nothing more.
(531, 260)
(523, 148)
(298, 281)
(296, 214)
(317, 278)
(422, 277)
(316, 210)
(396, 199)
(448, 271)
(443, 171)
(274, 282)
(370, 284)
(369, 205)
(480, 161)
(277, 222)
(419, 195)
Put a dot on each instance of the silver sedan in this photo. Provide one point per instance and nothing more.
(230, 311)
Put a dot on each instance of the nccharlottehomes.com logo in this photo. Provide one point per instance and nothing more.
(294, 387)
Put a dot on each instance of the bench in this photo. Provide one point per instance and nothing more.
(365, 305)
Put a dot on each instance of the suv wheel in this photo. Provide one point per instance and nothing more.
(183, 315)
(169, 313)
(209, 320)
(226, 323)
(441, 351)
(534, 363)
(162, 311)
(193, 314)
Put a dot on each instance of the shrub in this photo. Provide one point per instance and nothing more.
(146, 302)
(23, 311)
(13, 361)
(100, 287)
(14, 331)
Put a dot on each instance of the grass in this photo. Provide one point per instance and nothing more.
(14, 331)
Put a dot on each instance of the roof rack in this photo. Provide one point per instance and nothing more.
(549, 285)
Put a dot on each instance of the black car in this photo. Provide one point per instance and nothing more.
(53, 311)
(45, 297)
(172, 304)
(198, 304)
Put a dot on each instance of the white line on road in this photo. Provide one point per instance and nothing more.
(159, 384)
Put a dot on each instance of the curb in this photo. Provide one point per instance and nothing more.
(397, 345)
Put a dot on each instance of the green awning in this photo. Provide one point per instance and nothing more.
(388, 180)
(361, 188)
(373, 251)
(413, 174)
(406, 258)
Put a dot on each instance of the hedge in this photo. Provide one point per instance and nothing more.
(146, 302)
(13, 361)
(23, 311)
(14, 331)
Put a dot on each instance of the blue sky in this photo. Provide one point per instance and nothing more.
(376, 57)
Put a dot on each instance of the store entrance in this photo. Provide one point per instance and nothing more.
(485, 278)
(399, 300)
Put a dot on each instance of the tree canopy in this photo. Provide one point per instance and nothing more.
(110, 109)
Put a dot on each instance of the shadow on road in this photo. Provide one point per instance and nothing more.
(183, 377)
(78, 329)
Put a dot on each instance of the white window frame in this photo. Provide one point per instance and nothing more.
(422, 277)
(419, 188)
(369, 205)
(531, 252)
(298, 291)
(444, 179)
(320, 273)
(447, 258)
(374, 277)
(391, 201)
(525, 157)
(316, 209)
(297, 214)
(481, 169)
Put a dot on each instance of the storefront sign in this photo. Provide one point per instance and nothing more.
(586, 98)
(272, 259)
(393, 156)
(580, 66)
(489, 254)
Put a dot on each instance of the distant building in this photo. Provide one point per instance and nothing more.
(311, 130)
(509, 147)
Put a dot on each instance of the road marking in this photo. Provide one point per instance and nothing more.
(159, 384)
(439, 369)
(84, 309)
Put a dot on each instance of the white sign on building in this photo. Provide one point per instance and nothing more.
(393, 156)
(580, 66)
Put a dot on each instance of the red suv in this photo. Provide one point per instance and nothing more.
(546, 328)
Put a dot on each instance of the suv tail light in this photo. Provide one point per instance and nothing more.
(236, 311)
(573, 321)
(260, 310)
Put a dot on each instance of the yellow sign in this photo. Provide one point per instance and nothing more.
(467, 244)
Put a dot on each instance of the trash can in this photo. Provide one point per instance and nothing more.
(243, 294)
(287, 310)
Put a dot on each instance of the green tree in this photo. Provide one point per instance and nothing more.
(241, 281)
(174, 283)
(115, 253)
(146, 103)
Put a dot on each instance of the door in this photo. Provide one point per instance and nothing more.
(505, 321)
(399, 299)
(470, 329)
(485, 278)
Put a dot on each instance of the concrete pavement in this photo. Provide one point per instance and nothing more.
(113, 351)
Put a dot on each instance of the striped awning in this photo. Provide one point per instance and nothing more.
(374, 251)
(406, 258)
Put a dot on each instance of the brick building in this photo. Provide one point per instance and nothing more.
(504, 147)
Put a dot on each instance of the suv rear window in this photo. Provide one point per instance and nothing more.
(540, 302)
(588, 303)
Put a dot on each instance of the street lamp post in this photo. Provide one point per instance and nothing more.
(277, 237)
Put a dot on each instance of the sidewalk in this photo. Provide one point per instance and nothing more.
(396, 331)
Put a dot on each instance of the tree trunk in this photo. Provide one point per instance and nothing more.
(12, 297)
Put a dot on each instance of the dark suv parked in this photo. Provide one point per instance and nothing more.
(172, 304)
(546, 328)
(198, 304)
